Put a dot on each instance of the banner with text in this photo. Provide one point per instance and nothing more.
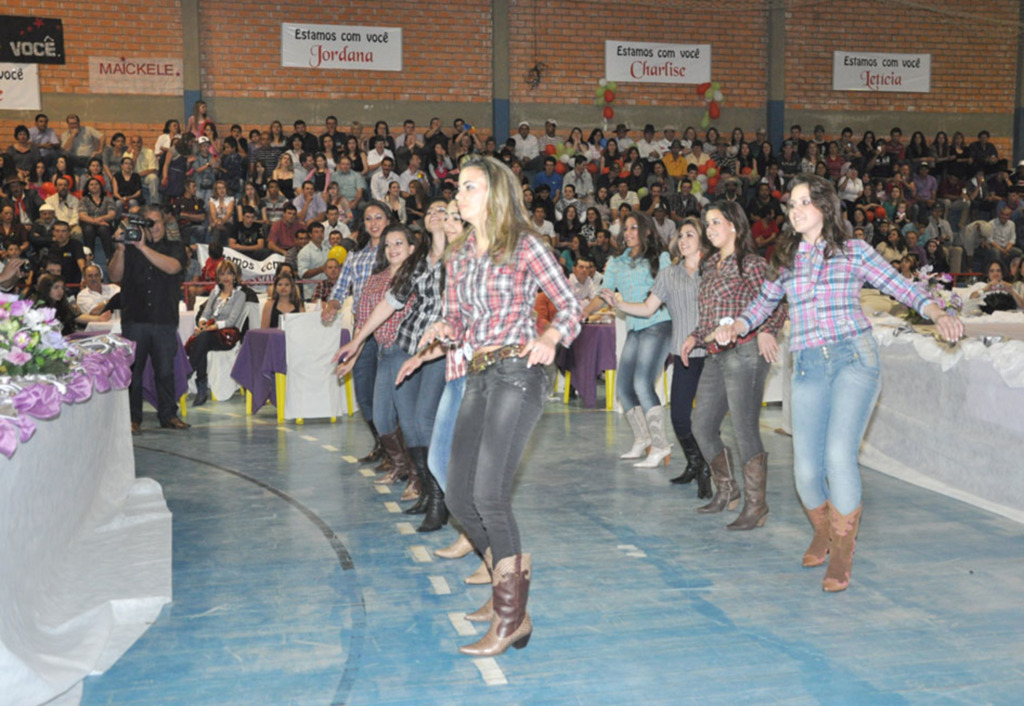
(159, 77)
(865, 71)
(252, 270)
(19, 87)
(31, 40)
(341, 47)
(645, 62)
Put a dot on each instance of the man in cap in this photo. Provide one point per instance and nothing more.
(549, 137)
(647, 145)
(622, 137)
(527, 147)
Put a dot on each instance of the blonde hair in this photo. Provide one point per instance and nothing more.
(226, 265)
(507, 219)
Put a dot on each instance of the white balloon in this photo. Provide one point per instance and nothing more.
(718, 96)
(602, 82)
(564, 159)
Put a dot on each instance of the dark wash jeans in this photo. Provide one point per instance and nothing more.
(499, 410)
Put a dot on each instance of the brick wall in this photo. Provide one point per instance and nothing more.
(447, 57)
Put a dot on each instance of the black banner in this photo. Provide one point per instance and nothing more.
(31, 40)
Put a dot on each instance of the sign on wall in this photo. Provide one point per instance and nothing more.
(646, 62)
(19, 87)
(31, 40)
(865, 71)
(341, 47)
(159, 76)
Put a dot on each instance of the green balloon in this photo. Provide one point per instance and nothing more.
(705, 121)
(612, 86)
(709, 94)
(599, 101)
(715, 85)
(599, 91)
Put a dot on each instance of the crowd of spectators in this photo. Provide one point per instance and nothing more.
(288, 192)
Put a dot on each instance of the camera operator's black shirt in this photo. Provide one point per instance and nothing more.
(150, 295)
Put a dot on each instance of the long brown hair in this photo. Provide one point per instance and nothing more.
(733, 213)
(507, 219)
(673, 246)
(833, 228)
(650, 242)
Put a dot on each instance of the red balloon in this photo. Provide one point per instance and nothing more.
(713, 110)
(609, 96)
(608, 112)
(870, 215)
(550, 149)
(703, 169)
(560, 167)
(712, 183)
(880, 212)
(592, 167)
(703, 88)
(776, 194)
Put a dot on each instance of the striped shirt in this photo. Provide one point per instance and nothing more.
(487, 304)
(357, 270)
(427, 289)
(632, 278)
(678, 289)
(824, 295)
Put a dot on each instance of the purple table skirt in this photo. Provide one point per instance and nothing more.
(590, 354)
(263, 354)
(182, 371)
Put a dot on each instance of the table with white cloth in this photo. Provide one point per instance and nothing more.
(85, 561)
(951, 419)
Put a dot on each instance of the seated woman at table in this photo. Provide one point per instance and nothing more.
(677, 288)
(998, 293)
(643, 357)
(936, 256)
(284, 299)
(219, 325)
(734, 375)
(835, 361)
(50, 292)
(892, 248)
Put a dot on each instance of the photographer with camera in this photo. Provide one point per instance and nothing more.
(148, 266)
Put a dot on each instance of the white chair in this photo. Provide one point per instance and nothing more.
(220, 363)
(311, 388)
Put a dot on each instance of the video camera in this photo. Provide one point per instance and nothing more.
(133, 225)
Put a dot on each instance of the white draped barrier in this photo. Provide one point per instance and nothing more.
(85, 554)
(312, 389)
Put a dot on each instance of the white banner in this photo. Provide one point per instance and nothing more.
(150, 76)
(259, 270)
(19, 87)
(645, 62)
(341, 47)
(865, 71)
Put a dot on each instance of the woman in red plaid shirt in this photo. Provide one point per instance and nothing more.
(495, 270)
(734, 375)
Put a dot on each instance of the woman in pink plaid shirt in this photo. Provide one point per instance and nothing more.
(820, 271)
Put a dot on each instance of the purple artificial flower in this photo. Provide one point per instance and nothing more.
(22, 339)
(17, 356)
(53, 339)
(19, 307)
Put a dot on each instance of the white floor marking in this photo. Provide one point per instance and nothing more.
(490, 671)
(440, 586)
(307, 437)
(350, 459)
(462, 626)
(367, 472)
(420, 554)
(383, 489)
(392, 506)
(405, 528)
(328, 447)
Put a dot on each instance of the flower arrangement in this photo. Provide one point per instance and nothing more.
(30, 340)
(938, 287)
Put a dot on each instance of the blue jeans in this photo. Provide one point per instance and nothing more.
(500, 408)
(642, 361)
(684, 389)
(835, 388)
(386, 398)
(733, 382)
(364, 376)
(422, 401)
(444, 429)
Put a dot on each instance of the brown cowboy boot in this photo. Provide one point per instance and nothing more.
(511, 623)
(755, 508)
(727, 492)
(842, 541)
(817, 552)
(401, 464)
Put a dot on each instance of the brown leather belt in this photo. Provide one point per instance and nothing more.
(482, 361)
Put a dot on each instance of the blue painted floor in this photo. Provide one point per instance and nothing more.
(294, 584)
